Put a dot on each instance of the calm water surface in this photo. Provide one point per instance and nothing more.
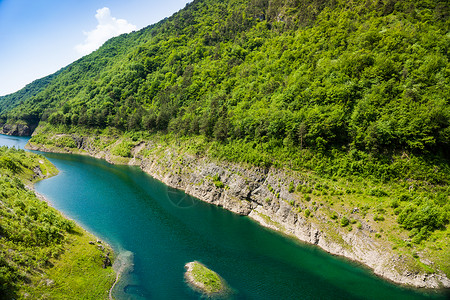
(156, 230)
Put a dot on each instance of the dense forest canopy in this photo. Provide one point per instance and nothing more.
(370, 76)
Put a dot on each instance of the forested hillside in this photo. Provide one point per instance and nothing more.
(10, 101)
(360, 75)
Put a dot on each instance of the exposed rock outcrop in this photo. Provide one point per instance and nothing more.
(17, 129)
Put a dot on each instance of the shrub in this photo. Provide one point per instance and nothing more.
(413, 216)
(9, 164)
(18, 183)
(345, 221)
(291, 187)
(307, 212)
(377, 192)
(65, 141)
(378, 218)
(395, 203)
(123, 149)
(404, 197)
(216, 180)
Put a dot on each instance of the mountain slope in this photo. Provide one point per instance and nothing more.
(10, 101)
(325, 74)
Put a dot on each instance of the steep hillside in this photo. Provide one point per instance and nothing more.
(370, 75)
(350, 99)
(27, 123)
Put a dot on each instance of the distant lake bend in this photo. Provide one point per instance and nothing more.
(162, 229)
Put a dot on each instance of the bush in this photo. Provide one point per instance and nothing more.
(378, 218)
(307, 190)
(413, 216)
(345, 221)
(291, 187)
(123, 149)
(334, 216)
(216, 180)
(9, 278)
(395, 203)
(307, 213)
(65, 141)
(404, 197)
(377, 192)
(9, 164)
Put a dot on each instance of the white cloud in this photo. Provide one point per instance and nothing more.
(107, 28)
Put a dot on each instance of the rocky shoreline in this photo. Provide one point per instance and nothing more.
(263, 195)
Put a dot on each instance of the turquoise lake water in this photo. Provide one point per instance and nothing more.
(156, 230)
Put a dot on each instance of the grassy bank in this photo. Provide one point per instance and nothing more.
(42, 254)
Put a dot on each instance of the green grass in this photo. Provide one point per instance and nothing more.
(76, 274)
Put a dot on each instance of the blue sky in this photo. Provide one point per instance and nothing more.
(38, 37)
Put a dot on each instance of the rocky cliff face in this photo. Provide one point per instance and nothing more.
(264, 195)
(16, 129)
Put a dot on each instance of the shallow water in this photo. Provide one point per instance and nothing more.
(156, 230)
